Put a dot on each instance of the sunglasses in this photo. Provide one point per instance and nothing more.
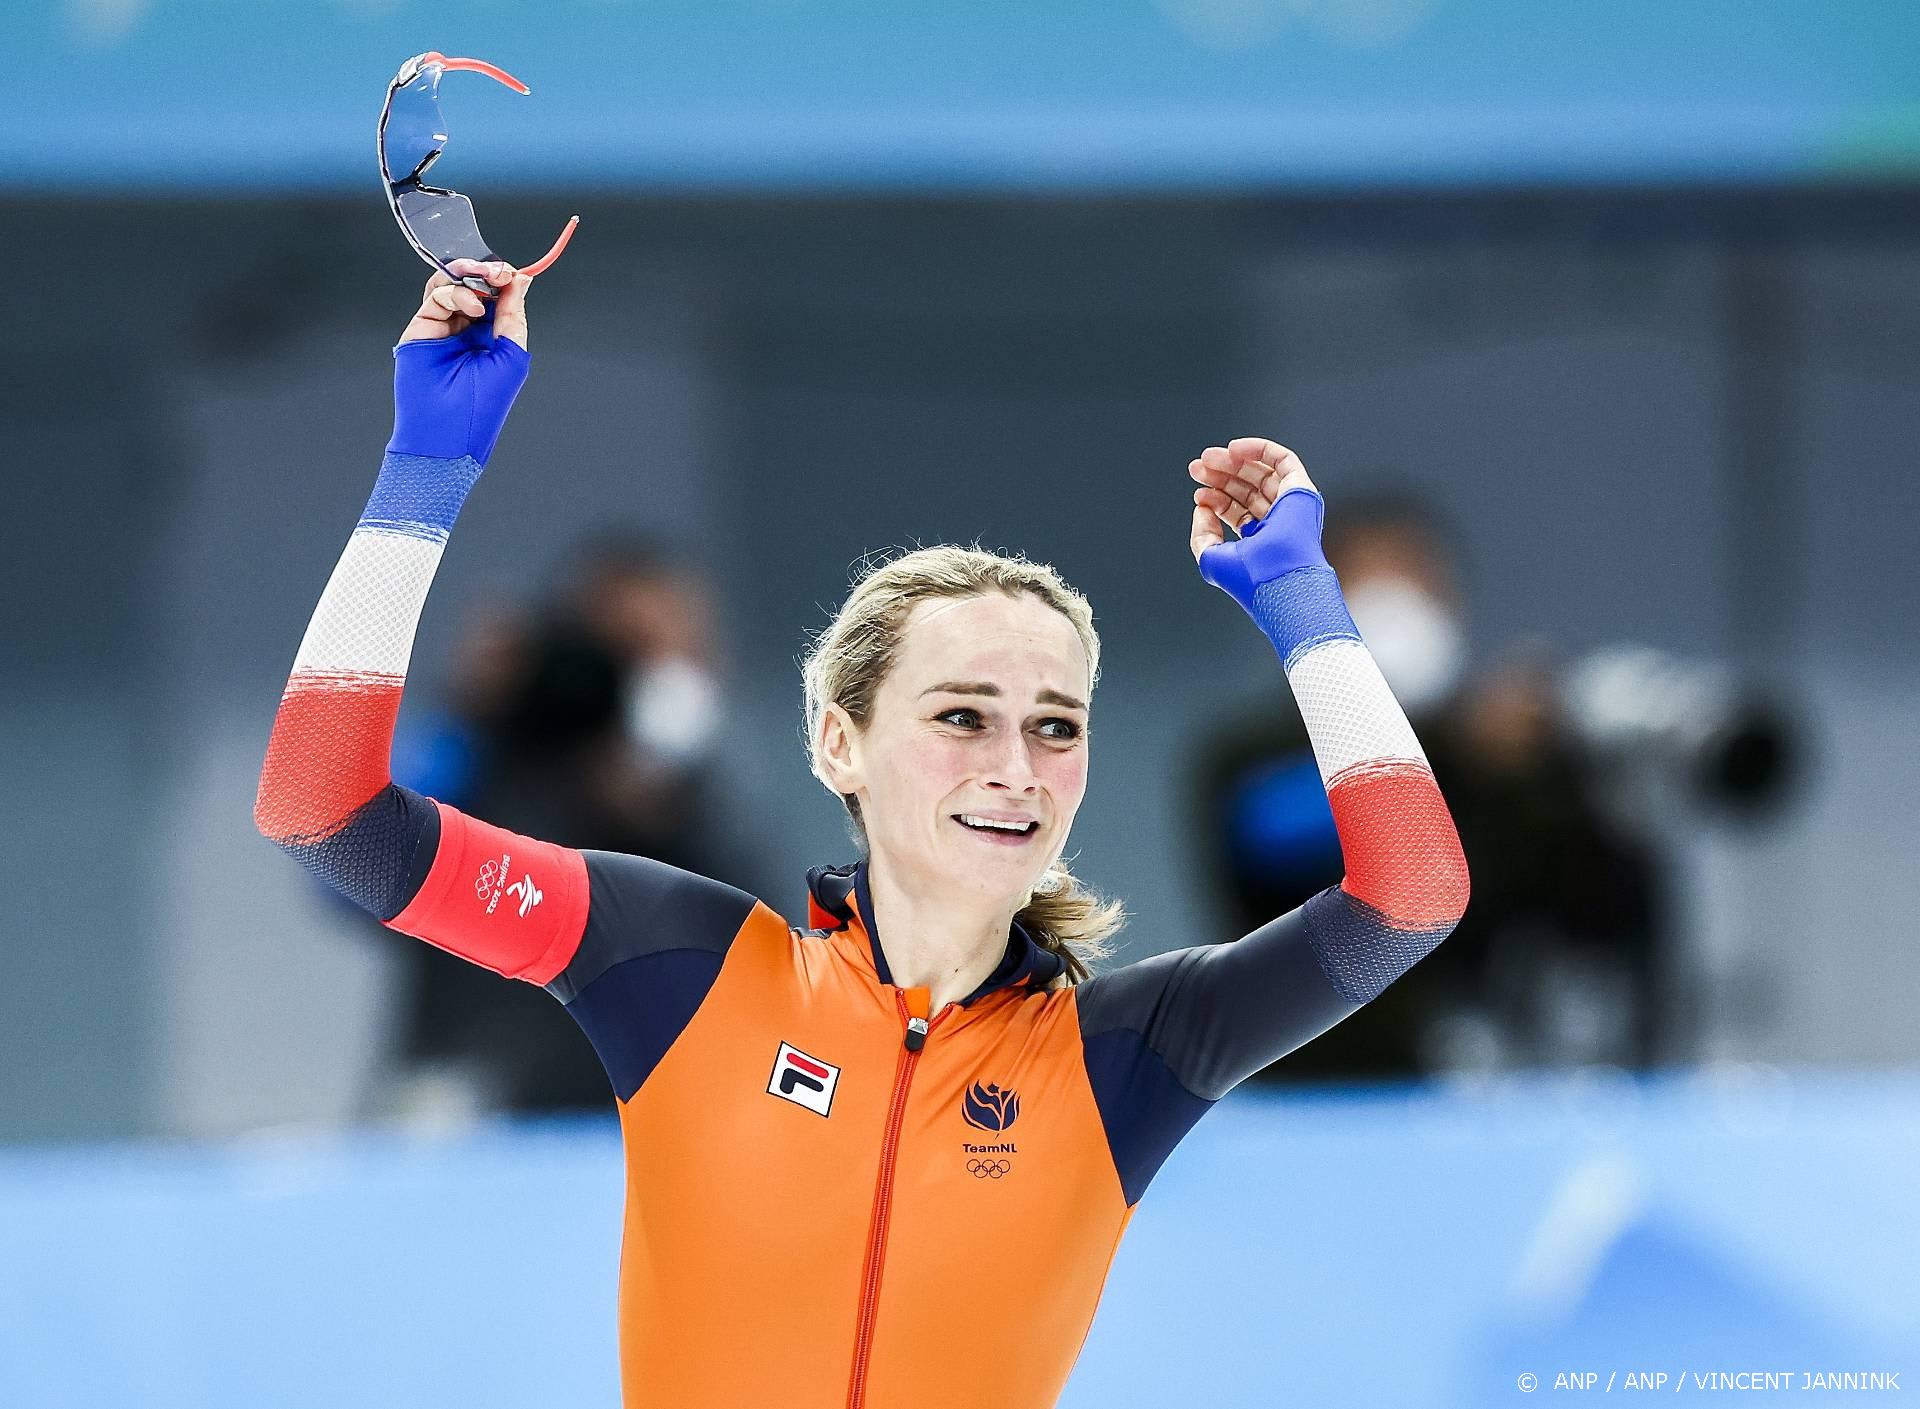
(439, 224)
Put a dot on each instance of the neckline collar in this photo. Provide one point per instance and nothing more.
(838, 897)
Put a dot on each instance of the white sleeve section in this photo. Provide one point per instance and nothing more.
(1350, 714)
(367, 616)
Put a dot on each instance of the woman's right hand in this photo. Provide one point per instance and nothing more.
(448, 308)
(459, 364)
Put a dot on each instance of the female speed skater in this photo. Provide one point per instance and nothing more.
(881, 1153)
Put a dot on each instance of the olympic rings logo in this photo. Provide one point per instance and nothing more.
(989, 1168)
(483, 883)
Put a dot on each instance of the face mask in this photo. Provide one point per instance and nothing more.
(673, 709)
(1415, 640)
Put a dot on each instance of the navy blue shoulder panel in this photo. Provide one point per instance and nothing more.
(1145, 1109)
(1169, 1035)
(655, 939)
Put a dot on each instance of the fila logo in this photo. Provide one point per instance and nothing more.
(806, 1081)
(529, 895)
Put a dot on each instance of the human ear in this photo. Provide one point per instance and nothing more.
(839, 749)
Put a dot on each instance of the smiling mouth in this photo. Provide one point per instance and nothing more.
(1007, 833)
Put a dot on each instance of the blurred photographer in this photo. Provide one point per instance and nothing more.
(591, 721)
(1565, 954)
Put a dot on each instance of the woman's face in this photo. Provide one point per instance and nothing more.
(984, 714)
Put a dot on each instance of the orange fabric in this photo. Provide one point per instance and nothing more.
(749, 1217)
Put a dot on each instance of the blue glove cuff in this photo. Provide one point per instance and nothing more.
(1278, 574)
(451, 395)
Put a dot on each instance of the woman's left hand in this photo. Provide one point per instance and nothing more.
(1238, 483)
(1260, 490)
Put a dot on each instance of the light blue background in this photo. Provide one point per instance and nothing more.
(1397, 1246)
(1180, 94)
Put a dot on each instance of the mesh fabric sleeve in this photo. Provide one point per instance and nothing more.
(326, 793)
(630, 945)
(1167, 1036)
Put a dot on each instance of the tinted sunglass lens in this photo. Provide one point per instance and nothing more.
(443, 223)
(414, 129)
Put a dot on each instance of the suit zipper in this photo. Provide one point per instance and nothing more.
(916, 1028)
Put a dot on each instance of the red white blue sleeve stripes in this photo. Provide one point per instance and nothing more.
(1167, 1036)
(1406, 877)
(326, 793)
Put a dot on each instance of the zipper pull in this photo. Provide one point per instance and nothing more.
(914, 1002)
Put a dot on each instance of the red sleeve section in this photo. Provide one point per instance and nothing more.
(1402, 853)
(327, 755)
(506, 902)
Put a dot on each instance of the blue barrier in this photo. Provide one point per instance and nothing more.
(1412, 1247)
(1152, 94)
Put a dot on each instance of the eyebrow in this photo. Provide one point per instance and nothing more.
(987, 687)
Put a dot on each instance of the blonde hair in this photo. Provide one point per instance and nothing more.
(848, 661)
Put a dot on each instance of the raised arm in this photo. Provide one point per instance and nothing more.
(1167, 1036)
(326, 793)
(1406, 878)
(630, 945)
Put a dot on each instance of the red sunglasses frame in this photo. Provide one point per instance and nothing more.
(409, 71)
